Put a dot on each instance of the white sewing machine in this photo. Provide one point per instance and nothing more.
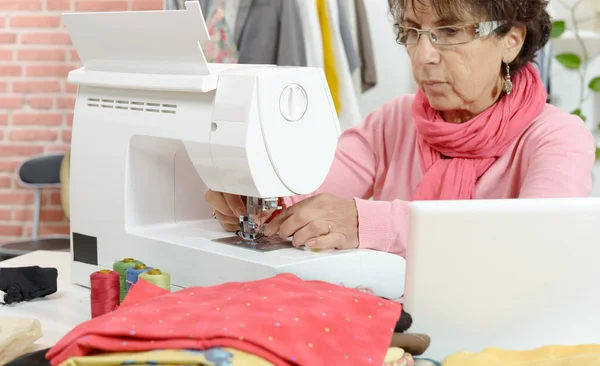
(155, 125)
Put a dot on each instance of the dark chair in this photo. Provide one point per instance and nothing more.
(38, 173)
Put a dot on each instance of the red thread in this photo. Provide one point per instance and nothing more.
(105, 292)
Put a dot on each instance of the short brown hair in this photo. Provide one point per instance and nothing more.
(531, 14)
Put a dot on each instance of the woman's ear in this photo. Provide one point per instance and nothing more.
(514, 42)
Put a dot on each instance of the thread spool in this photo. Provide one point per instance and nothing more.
(131, 275)
(121, 267)
(158, 278)
(104, 292)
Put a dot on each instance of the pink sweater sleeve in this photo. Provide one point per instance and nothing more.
(561, 164)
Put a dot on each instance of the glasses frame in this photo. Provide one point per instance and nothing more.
(482, 29)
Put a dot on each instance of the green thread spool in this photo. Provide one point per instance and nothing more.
(121, 267)
(158, 278)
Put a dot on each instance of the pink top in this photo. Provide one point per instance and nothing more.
(552, 158)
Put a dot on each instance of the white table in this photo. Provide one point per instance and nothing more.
(60, 312)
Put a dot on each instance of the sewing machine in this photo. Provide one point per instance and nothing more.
(156, 125)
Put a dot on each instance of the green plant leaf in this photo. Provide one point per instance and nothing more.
(597, 153)
(595, 84)
(569, 60)
(558, 28)
(578, 113)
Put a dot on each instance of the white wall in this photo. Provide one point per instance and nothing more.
(393, 66)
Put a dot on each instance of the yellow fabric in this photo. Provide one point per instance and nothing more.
(211, 357)
(583, 355)
(64, 184)
(329, 57)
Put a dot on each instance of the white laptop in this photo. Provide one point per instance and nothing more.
(513, 274)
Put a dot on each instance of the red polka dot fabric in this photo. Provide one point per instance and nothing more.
(283, 319)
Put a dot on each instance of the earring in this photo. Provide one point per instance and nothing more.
(508, 86)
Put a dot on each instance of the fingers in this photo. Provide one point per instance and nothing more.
(227, 219)
(330, 241)
(217, 201)
(313, 230)
(235, 203)
(227, 204)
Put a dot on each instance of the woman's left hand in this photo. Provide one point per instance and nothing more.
(323, 221)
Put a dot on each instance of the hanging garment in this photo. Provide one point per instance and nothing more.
(349, 115)
(365, 48)
(311, 30)
(347, 40)
(17, 337)
(282, 319)
(270, 32)
(221, 47)
(211, 357)
(350, 11)
(329, 62)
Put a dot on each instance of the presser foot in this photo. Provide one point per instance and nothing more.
(251, 224)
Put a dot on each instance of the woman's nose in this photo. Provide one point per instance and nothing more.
(425, 52)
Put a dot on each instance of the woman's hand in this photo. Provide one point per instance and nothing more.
(323, 221)
(228, 208)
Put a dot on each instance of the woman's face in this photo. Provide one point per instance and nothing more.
(465, 77)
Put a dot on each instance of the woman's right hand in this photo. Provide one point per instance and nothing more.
(228, 208)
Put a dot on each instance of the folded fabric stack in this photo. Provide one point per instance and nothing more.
(282, 320)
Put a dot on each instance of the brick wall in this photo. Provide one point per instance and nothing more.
(36, 103)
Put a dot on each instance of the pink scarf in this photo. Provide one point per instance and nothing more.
(474, 145)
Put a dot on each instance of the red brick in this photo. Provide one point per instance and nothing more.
(37, 119)
(3, 119)
(9, 166)
(58, 5)
(36, 87)
(48, 70)
(59, 38)
(101, 6)
(31, 135)
(11, 230)
(20, 5)
(66, 136)
(2, 21)
(40, 102)
(69, 119)
(19, 150)
(137, 5)
(73, 56)
(35, 21)
(8, 38)
(3, 88)
(69, 87)
(57, 148)
(65, 103)
(10, 70)
(6, 55)
(42, 55)
(54, 197)
(11, 102)
(16, 198)
(5, 215)
(5, 182)
(46, 214)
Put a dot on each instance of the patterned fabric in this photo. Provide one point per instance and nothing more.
(221, 47)
(211, 357)
(282, 319)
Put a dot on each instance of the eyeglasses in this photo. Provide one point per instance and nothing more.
(448, 35)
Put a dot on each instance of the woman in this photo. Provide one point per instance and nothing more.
(477, 128)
